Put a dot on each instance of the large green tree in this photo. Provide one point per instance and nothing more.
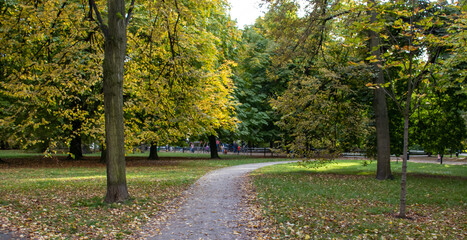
(255, 88)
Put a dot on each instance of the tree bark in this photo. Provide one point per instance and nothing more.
(383, 154)
(153, 152)
(383, 151)
(103, 154)
(213, 147)
(114, 56)
(402, 209)
(76, 152)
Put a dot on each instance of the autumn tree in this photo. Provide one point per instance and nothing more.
(411, 30)
(115, 33)
(178, 83)
(49, 74)
(319, 108)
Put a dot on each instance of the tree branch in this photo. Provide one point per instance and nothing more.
(104, 28)
(130, 12)
(336, 15)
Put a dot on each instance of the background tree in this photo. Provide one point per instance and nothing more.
(178, 75)
(50, 76)
(383, 170)
(254, 88)
(322, 88)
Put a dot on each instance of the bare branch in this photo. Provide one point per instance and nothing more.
(130, 12)
(58, 15)
(104, 28)
(392, 96)
(391, 93)
(336, 15)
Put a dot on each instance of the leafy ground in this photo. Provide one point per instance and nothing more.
(344, 201)
(60, 199)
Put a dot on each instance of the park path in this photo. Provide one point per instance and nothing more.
(212, 209)
(9, 236)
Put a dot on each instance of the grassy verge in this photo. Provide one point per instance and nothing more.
(344, 201)
(67, 202)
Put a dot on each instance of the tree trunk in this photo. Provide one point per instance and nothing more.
(213, 147)
(402, 210)
(383, 169)
(114, 56)
(4, 145)
(383, 155)
(153, 152)
(76, 152)
(103, 154)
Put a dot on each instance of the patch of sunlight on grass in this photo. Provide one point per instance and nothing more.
(339, 165)
(334, 166)
(63, 179)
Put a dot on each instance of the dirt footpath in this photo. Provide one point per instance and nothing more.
(212, 208)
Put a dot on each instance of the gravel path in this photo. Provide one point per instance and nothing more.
(4, 236)
(212, 208)
(9, 236)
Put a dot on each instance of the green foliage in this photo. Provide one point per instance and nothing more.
(438, 124)
(50, 72)
(325, 104)
(177, 74)
(178, 79)
(254, 88)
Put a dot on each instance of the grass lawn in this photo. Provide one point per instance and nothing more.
(65, 201)
(19, 154)
(343, 200)
(5, 154)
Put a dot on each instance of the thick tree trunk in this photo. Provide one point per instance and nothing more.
(114, 56)
(213, 147)
(383, 155)
(76, 152)
(103, 154)
(383, 169)
(153, 152)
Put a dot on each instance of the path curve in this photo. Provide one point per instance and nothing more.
(212, 208)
